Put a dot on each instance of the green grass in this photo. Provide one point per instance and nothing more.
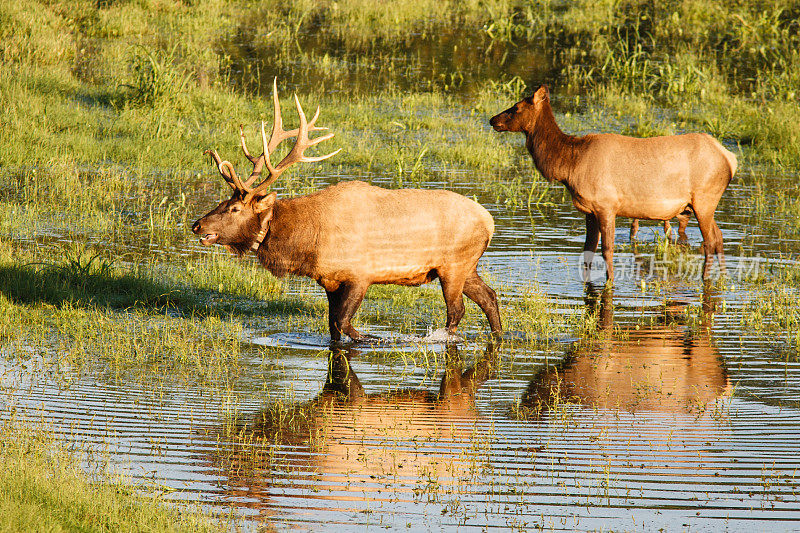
(43, 488)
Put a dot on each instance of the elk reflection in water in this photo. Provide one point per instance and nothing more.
(655, 368)
(345, 437)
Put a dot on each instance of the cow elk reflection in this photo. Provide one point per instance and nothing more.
(654, 368)
(346, 437)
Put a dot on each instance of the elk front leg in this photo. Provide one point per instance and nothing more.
(334, 305)
(590, 246)
(343, 304)
(607, 224)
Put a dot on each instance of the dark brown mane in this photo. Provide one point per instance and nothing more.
(289, 245)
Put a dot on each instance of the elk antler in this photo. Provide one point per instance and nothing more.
(226, 169)
(296, 155)
(278, 135)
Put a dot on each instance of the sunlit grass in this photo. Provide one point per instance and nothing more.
(43, 488)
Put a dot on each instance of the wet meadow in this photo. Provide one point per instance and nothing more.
(150, 383)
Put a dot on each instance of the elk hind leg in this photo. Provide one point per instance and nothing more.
(711, 234)
(634, 228)
(718, 248)
(683, 221)
(479, 292)
(452, 289)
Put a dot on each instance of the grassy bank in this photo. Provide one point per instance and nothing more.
(117, 101)
(43, 489)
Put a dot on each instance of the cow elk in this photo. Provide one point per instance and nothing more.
(350, 235)
(610, 175)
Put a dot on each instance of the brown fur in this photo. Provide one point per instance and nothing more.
(610, 175)
(352, 235)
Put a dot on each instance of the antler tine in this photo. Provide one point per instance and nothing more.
(314, 159)
(273, 173)
(219, 164)
(258, 162)
(232, 177)
(252, 159)
(311, 122)
(295, 155)
(214, 156)
(278, 135)
(303, 142)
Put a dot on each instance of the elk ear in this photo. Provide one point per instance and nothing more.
(541, 94)
(265, 203)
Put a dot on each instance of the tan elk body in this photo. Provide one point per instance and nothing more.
(352, 235)
(610, 175)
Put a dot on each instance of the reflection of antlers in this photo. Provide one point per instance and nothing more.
(296, 155)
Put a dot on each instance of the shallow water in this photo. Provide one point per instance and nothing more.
(663, 425)
(450, 60)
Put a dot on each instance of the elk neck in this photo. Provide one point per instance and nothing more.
(554, 153)
(261, 235)
(290, 240)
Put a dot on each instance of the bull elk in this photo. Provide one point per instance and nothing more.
(610, 175)
(351, 235)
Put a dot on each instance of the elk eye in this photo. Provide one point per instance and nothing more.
(235, 209)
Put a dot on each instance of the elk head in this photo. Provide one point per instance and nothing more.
(242, 222)
(523, 113)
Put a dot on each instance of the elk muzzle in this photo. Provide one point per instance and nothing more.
(498, 122)
(206, 239)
